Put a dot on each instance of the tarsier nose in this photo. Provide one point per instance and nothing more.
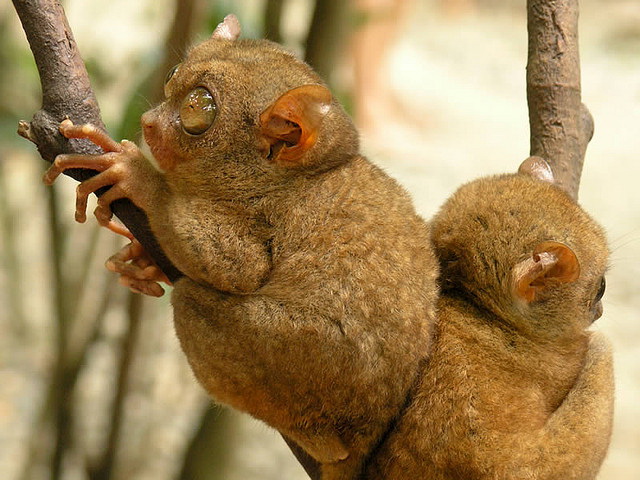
(149, 127)
(147, 120)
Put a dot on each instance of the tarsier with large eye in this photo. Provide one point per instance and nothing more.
(309, 290)
(309, 294)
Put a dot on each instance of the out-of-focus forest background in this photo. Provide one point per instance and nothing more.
(92, 382)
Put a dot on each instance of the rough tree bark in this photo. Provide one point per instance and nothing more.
(561, 126)
(66, 92)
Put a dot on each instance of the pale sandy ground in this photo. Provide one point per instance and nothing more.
(460, 82)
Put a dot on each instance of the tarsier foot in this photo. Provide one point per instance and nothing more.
(137, 270)
(113, 169)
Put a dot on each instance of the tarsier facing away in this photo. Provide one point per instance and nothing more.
(516, 387)
(309, 289)
(310, 283)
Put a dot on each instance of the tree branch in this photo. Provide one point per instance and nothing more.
(272, 17)
(67, 93)
(326, 36)
(561, 126)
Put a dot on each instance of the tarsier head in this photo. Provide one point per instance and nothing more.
(521, 247)
(247, 104)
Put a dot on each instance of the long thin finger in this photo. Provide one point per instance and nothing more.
(75, 160)
(140, 268)
(130, 270)
(84, 189)
(122, 267)
(90, 132)
(119, 229)
(103, 210)
(125, 254)
(150, 271)
(152, 289)
(119, 262)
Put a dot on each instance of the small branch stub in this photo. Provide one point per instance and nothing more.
(24, 130)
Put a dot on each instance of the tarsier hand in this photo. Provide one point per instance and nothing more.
(120, 163)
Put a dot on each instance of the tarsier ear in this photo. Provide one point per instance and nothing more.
(537, 167)
(228, 29)
(290, 126)
(550, 263)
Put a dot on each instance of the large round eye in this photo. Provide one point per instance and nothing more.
(198, 111)
(600, 294)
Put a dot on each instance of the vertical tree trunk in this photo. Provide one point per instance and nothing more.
(272, 17)
(561, 126)
(327, 35)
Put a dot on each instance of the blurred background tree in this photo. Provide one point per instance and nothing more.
(92, 382)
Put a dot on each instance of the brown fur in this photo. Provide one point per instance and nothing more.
(310, 286)
(310, 282)
(512, 390)
(310, 291)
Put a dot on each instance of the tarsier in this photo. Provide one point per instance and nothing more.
(309, 296)
(516, 387)
(310, 284)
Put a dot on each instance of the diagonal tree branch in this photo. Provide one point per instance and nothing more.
(66, 92)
